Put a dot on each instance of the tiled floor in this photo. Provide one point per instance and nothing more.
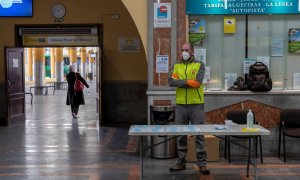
(53, 145)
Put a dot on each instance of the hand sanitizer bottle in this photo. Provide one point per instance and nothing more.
(250, 119)
(225, 84)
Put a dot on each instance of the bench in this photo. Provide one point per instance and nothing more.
(31, 96)
(61, 85)
(58, 85)
(43, 87)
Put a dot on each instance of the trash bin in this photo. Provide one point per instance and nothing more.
(163, 115)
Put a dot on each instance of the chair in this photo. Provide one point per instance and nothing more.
(240, 117)
(289, 126)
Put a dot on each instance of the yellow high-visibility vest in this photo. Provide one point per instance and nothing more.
(188, 95)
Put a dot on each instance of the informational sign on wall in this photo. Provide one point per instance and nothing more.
(242, 7)
(277, 47)
(229, 25)
(162, 64)
(129, 45)
(162, 15)
(57, 40)
(200, 54)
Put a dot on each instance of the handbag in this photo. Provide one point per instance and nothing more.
(78, 86)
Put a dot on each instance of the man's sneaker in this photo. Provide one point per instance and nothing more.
(203, 170)
(177, 167)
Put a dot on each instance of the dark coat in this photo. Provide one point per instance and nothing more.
(72, 97)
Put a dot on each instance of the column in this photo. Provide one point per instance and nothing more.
(29, 64)
(83, 61)
(73, 57)
(59, 59)
(52, 63)
(39, 69)
(163, 41)
(162, 44)
(91, 65)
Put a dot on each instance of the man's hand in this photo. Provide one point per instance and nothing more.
(175, 76)
(193, 83)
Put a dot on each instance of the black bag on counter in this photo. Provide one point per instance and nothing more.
(259, 78)
(239, 85)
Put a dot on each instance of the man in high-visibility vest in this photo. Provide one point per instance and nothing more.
(187, 76)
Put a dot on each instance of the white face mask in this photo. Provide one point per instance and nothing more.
(185, 55)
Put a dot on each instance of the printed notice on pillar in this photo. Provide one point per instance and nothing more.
(162, 15)
(162, 64)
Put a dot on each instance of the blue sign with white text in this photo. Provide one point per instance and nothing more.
(15, 8)
(198, 7)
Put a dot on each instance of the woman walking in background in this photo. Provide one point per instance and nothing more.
(74, 98)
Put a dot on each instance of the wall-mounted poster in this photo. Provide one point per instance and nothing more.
(294, 40)
(197, 39)
(276, 47)
(162, 15)
(229, 25)
(197, 26)
(197, 29)
(200, 54)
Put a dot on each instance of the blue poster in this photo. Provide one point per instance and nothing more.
(198, 7)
